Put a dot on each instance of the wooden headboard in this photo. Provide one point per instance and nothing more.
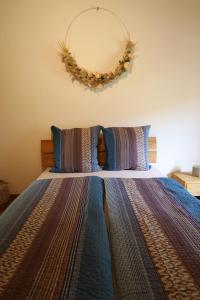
(48, 158)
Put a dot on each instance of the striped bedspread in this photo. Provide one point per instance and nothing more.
(54, 243)
(154, 229)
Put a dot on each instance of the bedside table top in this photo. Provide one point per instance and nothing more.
(187, 177)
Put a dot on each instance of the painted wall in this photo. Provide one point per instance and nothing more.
(35, 92)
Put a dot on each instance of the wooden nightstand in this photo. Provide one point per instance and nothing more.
(191, 183)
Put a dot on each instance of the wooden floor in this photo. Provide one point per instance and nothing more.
(5, 205)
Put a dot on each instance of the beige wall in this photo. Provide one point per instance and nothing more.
(35, 92)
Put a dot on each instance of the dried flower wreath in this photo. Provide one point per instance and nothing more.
(95, 79)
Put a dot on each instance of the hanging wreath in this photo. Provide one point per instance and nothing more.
(96, 79)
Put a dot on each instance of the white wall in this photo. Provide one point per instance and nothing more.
(35, 91)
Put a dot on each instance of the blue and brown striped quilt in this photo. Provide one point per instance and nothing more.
(154, 230)
(54, 241)
(54, 244)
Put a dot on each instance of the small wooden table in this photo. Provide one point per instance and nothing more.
(191, 183)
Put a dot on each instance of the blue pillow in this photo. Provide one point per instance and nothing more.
(126, 148)
(75, 150)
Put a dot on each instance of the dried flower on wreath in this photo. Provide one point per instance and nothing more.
(96, 80)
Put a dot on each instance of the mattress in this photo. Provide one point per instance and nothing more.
(152, 173)
(92, 238)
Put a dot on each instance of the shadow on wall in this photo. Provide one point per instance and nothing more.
(22, 156)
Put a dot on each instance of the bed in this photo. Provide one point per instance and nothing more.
(105, 235)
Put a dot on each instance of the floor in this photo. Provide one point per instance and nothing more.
(5, 205)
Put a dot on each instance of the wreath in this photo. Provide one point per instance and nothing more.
(95, 80)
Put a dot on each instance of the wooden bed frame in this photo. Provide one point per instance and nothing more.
(48, 158)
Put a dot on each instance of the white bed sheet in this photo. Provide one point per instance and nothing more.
(152, 173)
